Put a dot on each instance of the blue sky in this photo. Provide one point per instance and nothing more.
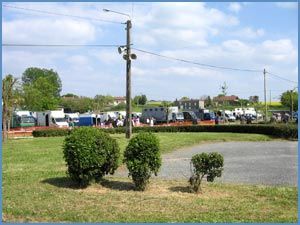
(239, 35)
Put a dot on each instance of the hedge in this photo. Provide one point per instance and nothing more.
(282, 131)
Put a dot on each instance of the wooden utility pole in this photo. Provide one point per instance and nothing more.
(265, 93)
(292, 106)
(128, 83)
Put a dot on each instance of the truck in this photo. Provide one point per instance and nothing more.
(72, 118)
(89, 119)
(22, 119)
(190, 116)
(55, 118)
(160, 114)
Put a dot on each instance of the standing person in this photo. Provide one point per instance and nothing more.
(147, 121)
(151, 122)
(137, 121)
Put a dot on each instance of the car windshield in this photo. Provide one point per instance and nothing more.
(27, 119)
(60, 119)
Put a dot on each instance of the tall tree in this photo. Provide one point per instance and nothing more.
(41, 88)
(289, 97)
(102, 101)
(140, 100)
(9, 100)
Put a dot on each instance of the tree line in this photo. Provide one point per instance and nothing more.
(40, 89)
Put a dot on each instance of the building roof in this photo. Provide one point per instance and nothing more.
(119, 98)
(226, 98)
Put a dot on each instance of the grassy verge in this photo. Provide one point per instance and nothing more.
(36, 189)
(172, 141)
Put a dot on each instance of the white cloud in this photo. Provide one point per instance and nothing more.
(249, 33)
(235, 7)
(108, 56)
(179, 24)
(287, 5)
(236, 46)
(47, 31)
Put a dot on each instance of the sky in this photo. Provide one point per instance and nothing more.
(237, 35)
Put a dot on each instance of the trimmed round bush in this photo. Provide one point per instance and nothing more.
(90, 154)
(142, 158)
(205, 164)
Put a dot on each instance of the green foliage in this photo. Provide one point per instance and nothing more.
(32, 74)
(70, 95)
(81, 104)
(10, 99)
(53, 132)
(142, 158)
(140, 100)
(283, 131)
(90, 154)
(209, 164)
(119, 107)
(102, 101)
(41, 89)
(288, 97)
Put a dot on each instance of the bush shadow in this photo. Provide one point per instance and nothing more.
(181, 189)
(117, 185)
(62, 182)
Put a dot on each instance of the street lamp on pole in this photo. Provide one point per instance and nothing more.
(128, 56)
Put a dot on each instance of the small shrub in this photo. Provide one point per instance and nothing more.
(90, 154)
(209, 164)
(142, 158)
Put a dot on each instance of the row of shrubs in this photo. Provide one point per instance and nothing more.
(282, 131)
(90, 154)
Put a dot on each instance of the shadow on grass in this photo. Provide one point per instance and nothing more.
(117, 185)
(62, 182)
(180, 189)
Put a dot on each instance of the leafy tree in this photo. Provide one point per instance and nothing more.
(288, 97)
(39, 96)
(41, 88)
(243, 102)
(143, 100)
(208, 102)
(80, 104)
(70, 95)
(185, 98)
(32, 74)
(9, 100)
(140, 100)
(102, 101)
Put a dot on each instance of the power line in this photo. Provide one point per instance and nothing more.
(282, 78)
(61, 14)
(197, 63)
(58, 45)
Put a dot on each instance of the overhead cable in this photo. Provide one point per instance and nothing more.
(61, 14)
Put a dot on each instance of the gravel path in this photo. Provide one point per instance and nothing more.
(270, 163)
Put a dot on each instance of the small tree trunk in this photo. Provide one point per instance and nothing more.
(4, 132)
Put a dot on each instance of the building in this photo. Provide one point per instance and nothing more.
(189, 104)
(254, 99)
(119, 100)
(231, 100)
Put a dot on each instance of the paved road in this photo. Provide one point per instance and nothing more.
(270, 163)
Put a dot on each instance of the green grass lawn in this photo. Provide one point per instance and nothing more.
(36, 189)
